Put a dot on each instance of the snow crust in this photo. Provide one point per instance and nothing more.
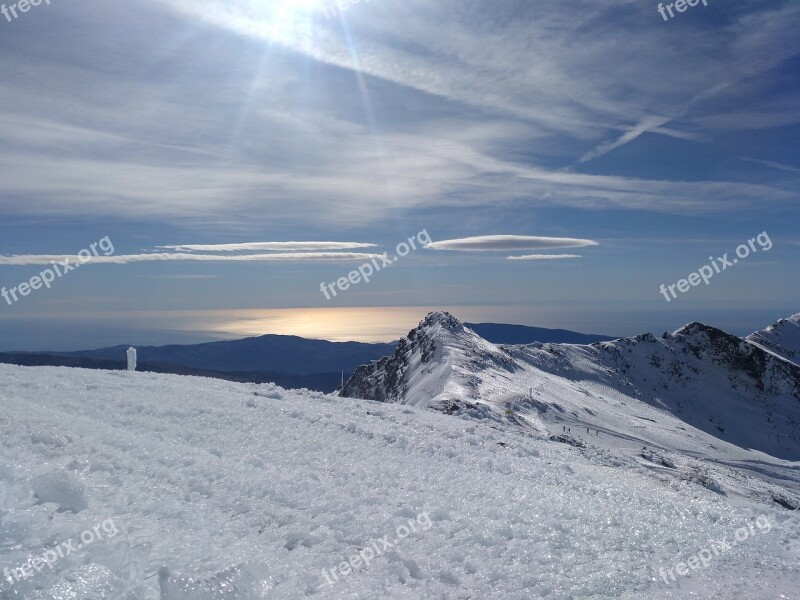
(236, 491)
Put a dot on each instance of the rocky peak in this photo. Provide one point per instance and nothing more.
(440, 350)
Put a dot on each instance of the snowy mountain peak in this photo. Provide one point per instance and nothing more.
(434, 365)
(441, 326)
(443, 319)
(700, 338)
(696, 327)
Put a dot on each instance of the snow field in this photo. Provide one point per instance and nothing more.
(223, 490)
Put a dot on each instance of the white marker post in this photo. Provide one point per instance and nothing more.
(131, 359)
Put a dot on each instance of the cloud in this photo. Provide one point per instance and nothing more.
(651, 124)
(509, 242)
(240, 147)
(181, 277)
(774, 165)
(123, 259)
(351, 185)
(284, 246)
(544, 256)
(441, 61)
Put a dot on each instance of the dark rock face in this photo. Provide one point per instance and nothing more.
(769, 373)
(383, 380)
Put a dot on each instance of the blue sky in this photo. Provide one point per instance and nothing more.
(210, 122)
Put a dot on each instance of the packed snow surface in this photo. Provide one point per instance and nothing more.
(204, 489)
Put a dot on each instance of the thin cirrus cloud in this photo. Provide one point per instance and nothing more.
(484, 243)
(772, 164)
(543, 257)
(280, 246)
(175, 170)
(122, 259)
(588, 104)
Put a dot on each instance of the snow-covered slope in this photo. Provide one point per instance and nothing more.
(782, 338)
(699, 396)
(709, 380)
(219, 490)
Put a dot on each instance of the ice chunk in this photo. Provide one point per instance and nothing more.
(62, 488)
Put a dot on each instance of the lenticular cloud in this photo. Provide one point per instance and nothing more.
(484, 243)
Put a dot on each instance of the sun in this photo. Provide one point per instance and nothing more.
(296, 24)
(286, 8)
(282, 20)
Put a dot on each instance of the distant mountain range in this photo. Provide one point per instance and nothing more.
(266, 353)
(289, 361)
(499, 333)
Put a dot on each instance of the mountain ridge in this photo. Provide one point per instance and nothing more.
(722, 386)
(781, 338)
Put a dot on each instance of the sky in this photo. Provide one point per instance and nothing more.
(555, 162)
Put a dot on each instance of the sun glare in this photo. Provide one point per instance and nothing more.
(287, 12)
(281, 21)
